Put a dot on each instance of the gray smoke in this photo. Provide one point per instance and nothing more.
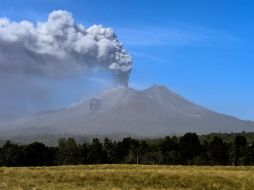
(47, 65)
(59, 48)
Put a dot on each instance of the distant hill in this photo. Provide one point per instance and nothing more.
(155, 111)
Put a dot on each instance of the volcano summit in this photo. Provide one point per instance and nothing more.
(155, 111)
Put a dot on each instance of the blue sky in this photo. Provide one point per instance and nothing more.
(203, 50)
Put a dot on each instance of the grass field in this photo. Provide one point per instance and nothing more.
(128, 177)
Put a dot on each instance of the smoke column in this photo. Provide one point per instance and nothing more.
(49, 64)
(59, 47)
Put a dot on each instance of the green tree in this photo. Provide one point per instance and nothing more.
(189, 147)
(217, 152)
(12, 154)
(109, 148)
(96, 154)
(37, 154)
(68, 152)
(250, 155)
(83, 152)
(168, 149)
(240, 149)
(136, 151)
(1, 159)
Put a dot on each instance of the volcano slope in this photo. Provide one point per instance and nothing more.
(155, 111)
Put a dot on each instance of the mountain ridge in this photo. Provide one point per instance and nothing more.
(153, 111)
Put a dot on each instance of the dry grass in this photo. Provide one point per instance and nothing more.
(128, 177)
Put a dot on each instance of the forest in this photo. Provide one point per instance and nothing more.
(189, 149)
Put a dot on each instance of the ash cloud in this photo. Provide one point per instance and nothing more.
(59, 47)
(36, 57)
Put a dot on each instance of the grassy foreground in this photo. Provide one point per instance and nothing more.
(128, 177)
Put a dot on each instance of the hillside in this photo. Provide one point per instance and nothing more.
(155, 111)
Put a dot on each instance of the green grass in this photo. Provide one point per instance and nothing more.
(128, 177)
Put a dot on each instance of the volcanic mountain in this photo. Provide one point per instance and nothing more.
(155, 111)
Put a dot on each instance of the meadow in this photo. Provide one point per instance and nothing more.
(115, 177)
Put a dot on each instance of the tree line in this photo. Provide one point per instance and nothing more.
(185, 150)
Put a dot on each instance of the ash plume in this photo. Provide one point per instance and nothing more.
(59, 47)
(46, 65)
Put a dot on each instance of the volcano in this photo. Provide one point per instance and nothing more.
(155, 111)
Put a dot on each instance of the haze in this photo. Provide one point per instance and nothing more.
(200, 50)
